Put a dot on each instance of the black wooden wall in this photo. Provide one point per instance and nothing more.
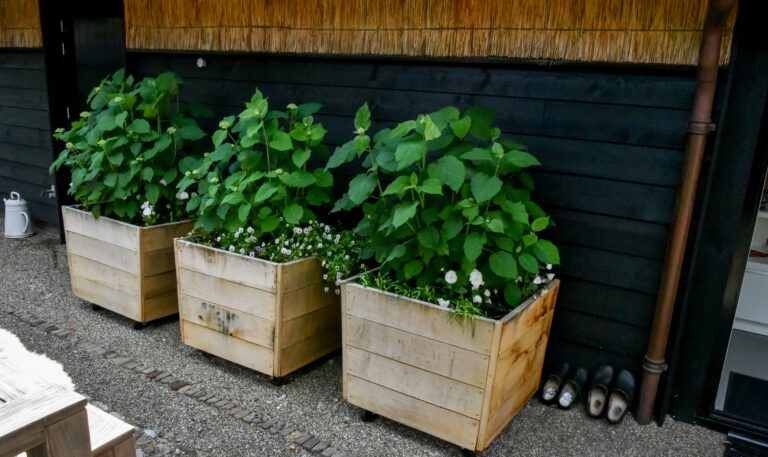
(610, 140)
(25, 136)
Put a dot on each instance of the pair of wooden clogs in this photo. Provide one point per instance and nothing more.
(607, 395)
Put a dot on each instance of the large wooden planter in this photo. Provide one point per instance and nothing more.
(123, 267)
(407, 360)
(270, 317)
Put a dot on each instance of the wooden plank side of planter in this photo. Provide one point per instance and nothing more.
(307, 299)
(416, 350)
(227, 320)
(106, 297)
(419, 318)
(160, 306)
(522, 346)
(221, 264)
(106, 276)
(413, 412)
(103, 229)
(236, 350)
(161, 236)
(231, 294)
(157, 261)
(409, 380)
(106, 253)
(301, 273)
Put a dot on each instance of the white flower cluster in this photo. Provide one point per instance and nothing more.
(147, 209)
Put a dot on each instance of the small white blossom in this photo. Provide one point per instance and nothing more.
(218, 239)
(231, 248)
(443, 303)
(549, 266)
(146, 209)
(487, 293)
(237, 234)
(450, 277)
(537, 280)
(550, 276)
(242, 250)
(325, 277)
(163, 182)
(477, 299)
(182, 196)
(476, 278)
(250, 230)
(325, 289)
(338, 291)
(251, 254)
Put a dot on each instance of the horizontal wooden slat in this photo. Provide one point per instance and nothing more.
(103, 252)
(416, 350)
(307, 299)
(106, 297)
(442, 423)
(26, 98)
(610, 268)
(158, 261)
(303, 327)
(301, 273)
(227, 321)
(607, 302)
(308, 350)
(160, 306)
(104, 275)
(161, 236)
(428, 321)
(23, 117)
(236, 350)
(23, 78)
(104, 229)
(40, 157)
(106, 429)
(219, 291)
(158, 284)
(238, 269)
(26, 58)
(594, 331)
(438, 390)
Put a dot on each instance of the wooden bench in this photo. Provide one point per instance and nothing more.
(51, 421)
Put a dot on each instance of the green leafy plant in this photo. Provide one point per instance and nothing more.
(259, 173)
(448, 211)
(124, 154)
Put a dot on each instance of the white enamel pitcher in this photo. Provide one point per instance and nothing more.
(17, 221)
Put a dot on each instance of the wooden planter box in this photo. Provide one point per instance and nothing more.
(270, 317)
(409, 361)
(123, 267)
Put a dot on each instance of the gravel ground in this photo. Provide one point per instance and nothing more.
(34, 277)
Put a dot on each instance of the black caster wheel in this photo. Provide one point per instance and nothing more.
(279, 381)
(468, 453)
(139, 326)
(368, 416)
(95, 307)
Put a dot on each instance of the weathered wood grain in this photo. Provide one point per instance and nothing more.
(227, 293)
(104, 229)
(109, 435)
(415, 376)
(242, 352)
(225, 265)
(228, 321)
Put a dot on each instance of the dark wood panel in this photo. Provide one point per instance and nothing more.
(552, 118)
(24, 98)
(25, 154)
(28, 191)
(620, 87)
(622, 162)
(22, 78)
(596, 332)
(25, 136)
(14, 58)
(609, 268)
(607, 302)
(603, 196)
(577, 353)
(637, 238)
(20, 117)
(28, 173)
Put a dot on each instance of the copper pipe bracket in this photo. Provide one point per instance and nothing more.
(656, 366)
(701, 127)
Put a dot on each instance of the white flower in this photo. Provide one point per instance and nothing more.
(550, 276)
(537, 280)
(231, 248)
(251, 254)
(242, 250)
(163, 182)
(338, 291)
(487, 293)
(250, 230)
(476, 278)
(443, 303)
(218, 239)
(182, 196)
(325, 289)
(325, 277)
(146, 209)
(450, 277)
(237, 234)
(549, 266)
(477, 299)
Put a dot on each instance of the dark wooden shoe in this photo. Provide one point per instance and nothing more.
(621, 397)
(572, 387)
(552, 385)
(597, 397)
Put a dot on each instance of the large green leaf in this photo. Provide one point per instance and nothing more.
(485, 187)
(293, 213)
(503, 264)
(431, 186)
(546, 252)
(461, 127)
(281, 141)
(450, 171)
(152, 193)
(409, 152)
(540, 223)
(478, 154)
(361, 187)
(299, 179)
(429, 237)
(363, 117)
(473, 245)
(343, 154)
(397, 252)
(521, 159)
(529, 263)
(243, 211)
(398, 186)
(265, 191)
(413, 268)
(403, 212)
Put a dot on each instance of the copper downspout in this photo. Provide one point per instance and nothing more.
(699, 126)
